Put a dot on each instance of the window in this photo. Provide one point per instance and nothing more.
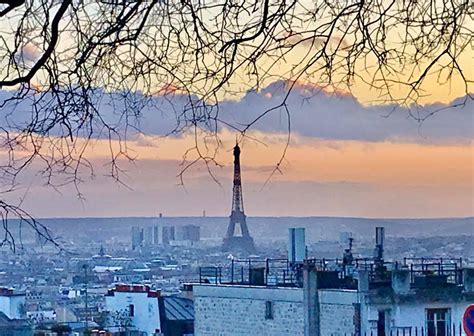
(437, 322)
(268, 310)
(131, 310)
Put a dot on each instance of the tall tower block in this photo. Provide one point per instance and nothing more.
(233, 242)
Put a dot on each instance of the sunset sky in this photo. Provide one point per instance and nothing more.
(345, 159)
(352, 150)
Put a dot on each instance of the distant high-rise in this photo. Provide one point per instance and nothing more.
(188, 232)
(137, 237)
(296, 245)
(168, 234)
(156, 235)
(233, 242)
(148, 236)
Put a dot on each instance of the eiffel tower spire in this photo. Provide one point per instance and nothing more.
(232, 242)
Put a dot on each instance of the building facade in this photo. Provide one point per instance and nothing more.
(246, 310)
(12, 303)
(429, 299)
(13, 314)
(133, 308)
(137, 309)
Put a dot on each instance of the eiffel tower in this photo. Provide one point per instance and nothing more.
(233, 242)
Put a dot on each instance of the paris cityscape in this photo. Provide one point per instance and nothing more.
(163, 260)
(236, 168)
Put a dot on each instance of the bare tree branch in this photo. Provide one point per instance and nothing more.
(60, 60)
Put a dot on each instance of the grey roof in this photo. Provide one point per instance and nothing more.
(5, 321)
(178, 308)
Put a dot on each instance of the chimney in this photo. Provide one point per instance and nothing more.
(311, 301)
(187, 291)
(379, 243)
(363, 281)
(401, 281)
(468, 279)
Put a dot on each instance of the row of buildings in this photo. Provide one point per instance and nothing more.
(347, 296)
(399, 301)
(351, 295)
(155, 235)
(70, 288)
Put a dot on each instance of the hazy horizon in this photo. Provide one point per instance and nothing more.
(263, 216)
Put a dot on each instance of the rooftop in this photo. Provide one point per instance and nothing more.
(10, 292)
(6, 322)
(178, 308)
(335, 273)
(133, 289)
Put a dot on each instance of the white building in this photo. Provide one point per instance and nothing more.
(133, 307)
(427, 302)
(12, 303)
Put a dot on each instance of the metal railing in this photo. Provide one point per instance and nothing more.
(450, 329)
(252, 271)
(279, 272)
(449, 270)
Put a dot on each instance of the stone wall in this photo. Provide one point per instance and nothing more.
(236, 310)
(337, 311)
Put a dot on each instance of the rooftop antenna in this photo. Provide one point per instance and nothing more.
(348, 258)
(379, 242)
(378, 252)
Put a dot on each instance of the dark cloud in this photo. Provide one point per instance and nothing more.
(314, 113)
